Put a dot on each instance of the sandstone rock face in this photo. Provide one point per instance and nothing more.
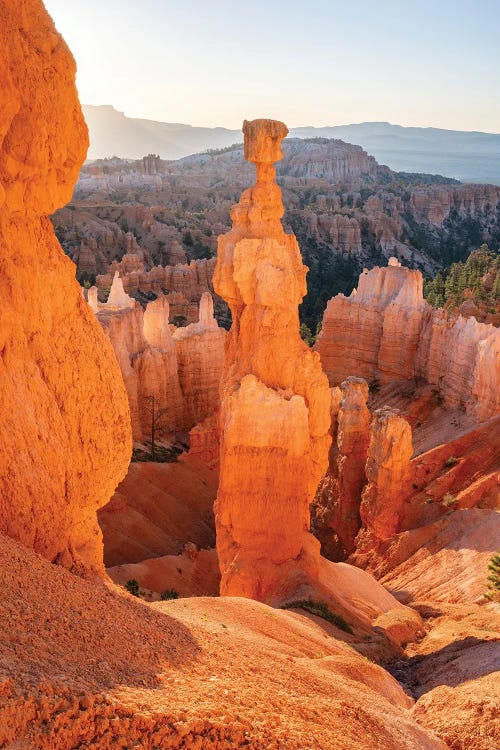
(335, 513)
(387, 471)
(204, 441)
(199, 349)
(386, 330)
(149, 372)
(176, 374)
(184, 284)
(331, 160)
(65, 440)
(275, 398)
(343, 232)
(434, 204)
(353, 438)
(118, 297)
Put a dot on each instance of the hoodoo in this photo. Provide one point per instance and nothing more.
(275, 414)
(65, 441)
(386, 331)
(180, 370)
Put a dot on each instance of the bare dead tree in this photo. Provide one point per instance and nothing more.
(158, 425)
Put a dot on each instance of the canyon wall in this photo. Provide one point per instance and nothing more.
(65, 440)
(170, 373)
(387, 473)
(275, 400)
(328, 159)
(386, 331)
(434, 205)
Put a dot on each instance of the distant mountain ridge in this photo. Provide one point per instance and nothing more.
(469, 156)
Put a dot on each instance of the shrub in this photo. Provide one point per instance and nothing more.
(306, 335)
(168, 594)
(132, 587)
(320, 610)
(451, 461)
(449, 500)
(162, 454)
(493, 592)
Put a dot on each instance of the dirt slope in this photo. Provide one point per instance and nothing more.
(85, 666)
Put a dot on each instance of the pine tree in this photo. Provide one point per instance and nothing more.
(493, 592)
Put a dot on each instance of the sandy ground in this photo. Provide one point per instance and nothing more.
(85, 665)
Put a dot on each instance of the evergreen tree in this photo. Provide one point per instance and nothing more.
(448, 286)
(493, 592)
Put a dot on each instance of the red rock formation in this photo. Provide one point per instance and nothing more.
(434, 204)
(180, 371)
(204, 442)
(335, 512)
(462, 358)
(275, 399)
(147, 371)
(385, 330)
(331, 160)
(185, 284)
(387, 471)
(353, 438)
(199, 349)
(65, 437)
(342, 232)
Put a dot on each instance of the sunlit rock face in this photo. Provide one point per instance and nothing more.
(385, 330)
(387, 472)
(275, 399)
(176, 375)
(65, 435)
(353, 437)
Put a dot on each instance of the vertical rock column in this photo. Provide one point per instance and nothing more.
(335, 513)
(275, 399)
(353, 438)
(65, 437)
(388, 474)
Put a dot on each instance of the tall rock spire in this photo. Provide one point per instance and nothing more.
(275, 399)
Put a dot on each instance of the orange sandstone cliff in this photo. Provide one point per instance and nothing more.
(275, 400)
(179, 369)
(386, 331)
(65, 439)
(335, 513)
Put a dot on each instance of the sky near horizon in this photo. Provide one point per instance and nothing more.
(322, 62)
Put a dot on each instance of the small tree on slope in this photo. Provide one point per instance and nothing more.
(493, 592)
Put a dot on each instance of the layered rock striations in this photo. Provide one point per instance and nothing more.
(433, 205)
(387, 473)
(274, 398)
(386, 331)
(335, 514)
(199, 349)
(171, 377)
(329, 159)
(353, 437)
(65, 439)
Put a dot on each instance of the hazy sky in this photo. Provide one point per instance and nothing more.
(315, 62)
